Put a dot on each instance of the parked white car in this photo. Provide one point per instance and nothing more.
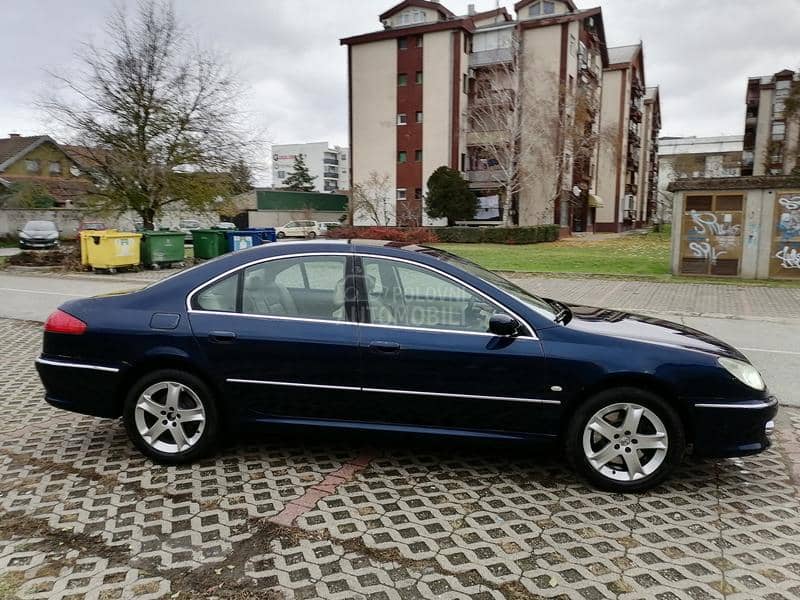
(301, 229)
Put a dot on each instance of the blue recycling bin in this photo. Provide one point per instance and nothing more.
(240, 240)
(267, 234)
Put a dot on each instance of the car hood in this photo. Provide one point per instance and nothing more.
(630, 326)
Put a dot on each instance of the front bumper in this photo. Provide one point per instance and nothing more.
(81, 387)
(733, 428)
(38, 243)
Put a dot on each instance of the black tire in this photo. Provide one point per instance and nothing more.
(206, 441)
(281, 235)
(311, 235)
(676, 438)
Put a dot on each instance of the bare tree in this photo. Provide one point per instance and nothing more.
(371, 201)
(154, 117)
(531, 135)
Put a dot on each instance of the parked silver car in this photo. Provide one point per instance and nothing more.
(38, 234)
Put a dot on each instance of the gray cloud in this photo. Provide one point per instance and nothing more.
(700, 52)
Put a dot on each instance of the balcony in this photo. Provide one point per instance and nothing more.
(485, 138)
(331, 174)
(485, 58)
(486, 176)
(330, 161)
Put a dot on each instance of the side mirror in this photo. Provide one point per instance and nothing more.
(500, 324)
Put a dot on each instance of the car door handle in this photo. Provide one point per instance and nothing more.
(221, 337)
(385, 347)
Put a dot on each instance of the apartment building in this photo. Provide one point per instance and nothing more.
(514, 103)
(623, 159)
(648, 159)
(770, 140)
(329, 164)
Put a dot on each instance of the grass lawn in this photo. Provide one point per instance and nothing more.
(628, 255)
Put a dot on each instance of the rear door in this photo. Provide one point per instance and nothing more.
(429, 360)
(279, 337)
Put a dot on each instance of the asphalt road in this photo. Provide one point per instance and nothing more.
(771, 344)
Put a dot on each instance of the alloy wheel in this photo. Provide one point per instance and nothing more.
(170, 417)
(625, 441)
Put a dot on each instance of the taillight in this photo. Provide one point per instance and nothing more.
(61, 322)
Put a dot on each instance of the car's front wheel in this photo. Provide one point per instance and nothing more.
(171, 416)
(281, 235)
(625, 440)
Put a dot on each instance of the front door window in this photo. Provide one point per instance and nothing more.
(409, 296)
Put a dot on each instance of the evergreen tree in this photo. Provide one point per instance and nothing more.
(449, 196)
(241, 177)
(299, 180)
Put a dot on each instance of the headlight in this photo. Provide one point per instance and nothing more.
(744, 372)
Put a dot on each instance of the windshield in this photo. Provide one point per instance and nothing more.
(532, 301)
(40, 226)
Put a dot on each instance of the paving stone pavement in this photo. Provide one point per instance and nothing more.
(83, 515)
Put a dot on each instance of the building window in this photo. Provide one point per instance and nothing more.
(55, 168)
(402, 79)
(418, 194)
(419, 116)
(419, 41)
(465, 83)
(281, 174)
(418, 155)
(778, 130)
(32, 166)
(419, 77)
(542, 8)
(343, 157)
(402, 43)
(401, 193)
(402, 119)
(401, 156)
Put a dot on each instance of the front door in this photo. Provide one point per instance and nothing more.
(280, 339)
(429, 361)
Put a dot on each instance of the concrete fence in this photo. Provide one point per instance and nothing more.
(68, 219)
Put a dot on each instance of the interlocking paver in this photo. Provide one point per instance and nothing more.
(83, 515)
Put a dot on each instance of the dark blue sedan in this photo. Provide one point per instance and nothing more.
(381, 336)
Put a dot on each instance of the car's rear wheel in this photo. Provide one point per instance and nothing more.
(171, 416)
(311, 235)
(281, 235)
(625, 440)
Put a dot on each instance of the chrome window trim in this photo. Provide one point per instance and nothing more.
(391, 391)
(74, 365)
(531, 331)
(755, 406)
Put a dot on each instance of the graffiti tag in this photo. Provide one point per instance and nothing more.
(705, 250)
(790, 259)
(790, 203)
(707, 223)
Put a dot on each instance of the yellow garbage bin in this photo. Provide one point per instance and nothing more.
(110, 249)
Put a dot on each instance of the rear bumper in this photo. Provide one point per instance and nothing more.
(81, 387)
(733, 428)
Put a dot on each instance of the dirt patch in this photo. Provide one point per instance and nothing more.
(65, 257)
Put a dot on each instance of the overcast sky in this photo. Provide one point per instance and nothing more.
(700, 52)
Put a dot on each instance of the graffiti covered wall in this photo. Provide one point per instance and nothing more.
(785, 257)
(711, 241)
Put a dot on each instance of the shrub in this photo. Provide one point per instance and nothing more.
(409, 235)
(498, 235)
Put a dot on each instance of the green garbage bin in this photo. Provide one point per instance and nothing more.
(209, 243)
(162, 248)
